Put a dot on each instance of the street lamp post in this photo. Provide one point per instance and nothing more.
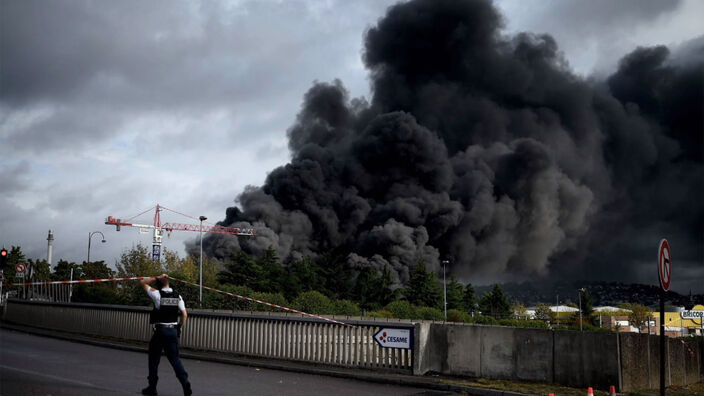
(200, 291)
(90, 235)
(580, 307)
(444, 288)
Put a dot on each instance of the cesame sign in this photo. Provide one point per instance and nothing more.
(394, 338)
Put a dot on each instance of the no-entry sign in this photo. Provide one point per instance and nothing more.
(664, 264)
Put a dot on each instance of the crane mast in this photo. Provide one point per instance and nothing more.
(158, 229)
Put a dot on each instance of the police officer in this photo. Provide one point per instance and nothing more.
(168, 305)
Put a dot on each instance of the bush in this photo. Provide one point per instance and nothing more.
(382, 313)
(588, 327)
(534, 324)
(347, 307)
(212, 300)
(429, 313)
(530, 324)
(314, 302)
(485, 320)
(272, 298)
(509, 322)
(455, 315)
(401, 309)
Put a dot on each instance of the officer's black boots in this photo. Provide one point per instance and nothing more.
(151, 389)
(186, 388)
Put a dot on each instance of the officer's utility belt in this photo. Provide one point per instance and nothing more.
(168, 326)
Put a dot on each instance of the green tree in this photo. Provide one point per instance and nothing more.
(639, 315)
(544, 313)
(242, 270)
(97, 293)
(364, 289)
(430, 313)
(469, 299)
(335, 275)
(314, 302)
(423, 289)
(495, 303)
(62, 270)
(188, 268)
(136, 262)
(373, 290)
(384, 291)
(519, 310)
(402, 309)
(587, 304)
(14, 256)
(272, 271)
(455, 294)
(302, 276)
(346, 307)
(40, 270)
(96, 270)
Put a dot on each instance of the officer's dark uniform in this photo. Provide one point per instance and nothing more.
(165, 337)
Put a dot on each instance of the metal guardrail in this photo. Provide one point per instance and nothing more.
(274, 337)
(60, 293)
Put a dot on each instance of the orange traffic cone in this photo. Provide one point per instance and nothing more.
(612, 390)
(590, 391)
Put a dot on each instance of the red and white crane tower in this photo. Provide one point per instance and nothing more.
(159, 228)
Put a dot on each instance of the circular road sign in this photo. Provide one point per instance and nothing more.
(20, 267)
(664, 264)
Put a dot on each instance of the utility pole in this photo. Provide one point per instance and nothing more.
(444, 287)
(581, 290)
(200, 290)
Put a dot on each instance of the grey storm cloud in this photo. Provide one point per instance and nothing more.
(81, 71)
(486, 149)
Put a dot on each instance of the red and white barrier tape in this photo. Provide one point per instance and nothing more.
(263, 302)
(68, 282)
(182, 281)
(691, 352)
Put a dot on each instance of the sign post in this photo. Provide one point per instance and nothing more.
(21, 268)
(665, 275)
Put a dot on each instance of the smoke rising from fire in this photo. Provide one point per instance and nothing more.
(487, 150)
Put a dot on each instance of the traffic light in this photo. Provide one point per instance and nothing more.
(3, 257)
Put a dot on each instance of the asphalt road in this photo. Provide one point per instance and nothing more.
(34, 365)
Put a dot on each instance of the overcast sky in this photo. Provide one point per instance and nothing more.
(108, 108)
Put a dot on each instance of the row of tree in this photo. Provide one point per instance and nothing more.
(304, 283)
(369, 289)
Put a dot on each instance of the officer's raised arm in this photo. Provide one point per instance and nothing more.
(146, 281)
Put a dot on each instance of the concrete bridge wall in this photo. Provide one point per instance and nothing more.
(628, 361)
(264, 336)
(625, 360)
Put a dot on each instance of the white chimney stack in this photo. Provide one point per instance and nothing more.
(50, 246)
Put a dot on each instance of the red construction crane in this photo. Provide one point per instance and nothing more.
(160, 228)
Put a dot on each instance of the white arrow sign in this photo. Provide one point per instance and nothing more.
(394, 338)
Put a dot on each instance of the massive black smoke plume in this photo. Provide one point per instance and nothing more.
(487, 150)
